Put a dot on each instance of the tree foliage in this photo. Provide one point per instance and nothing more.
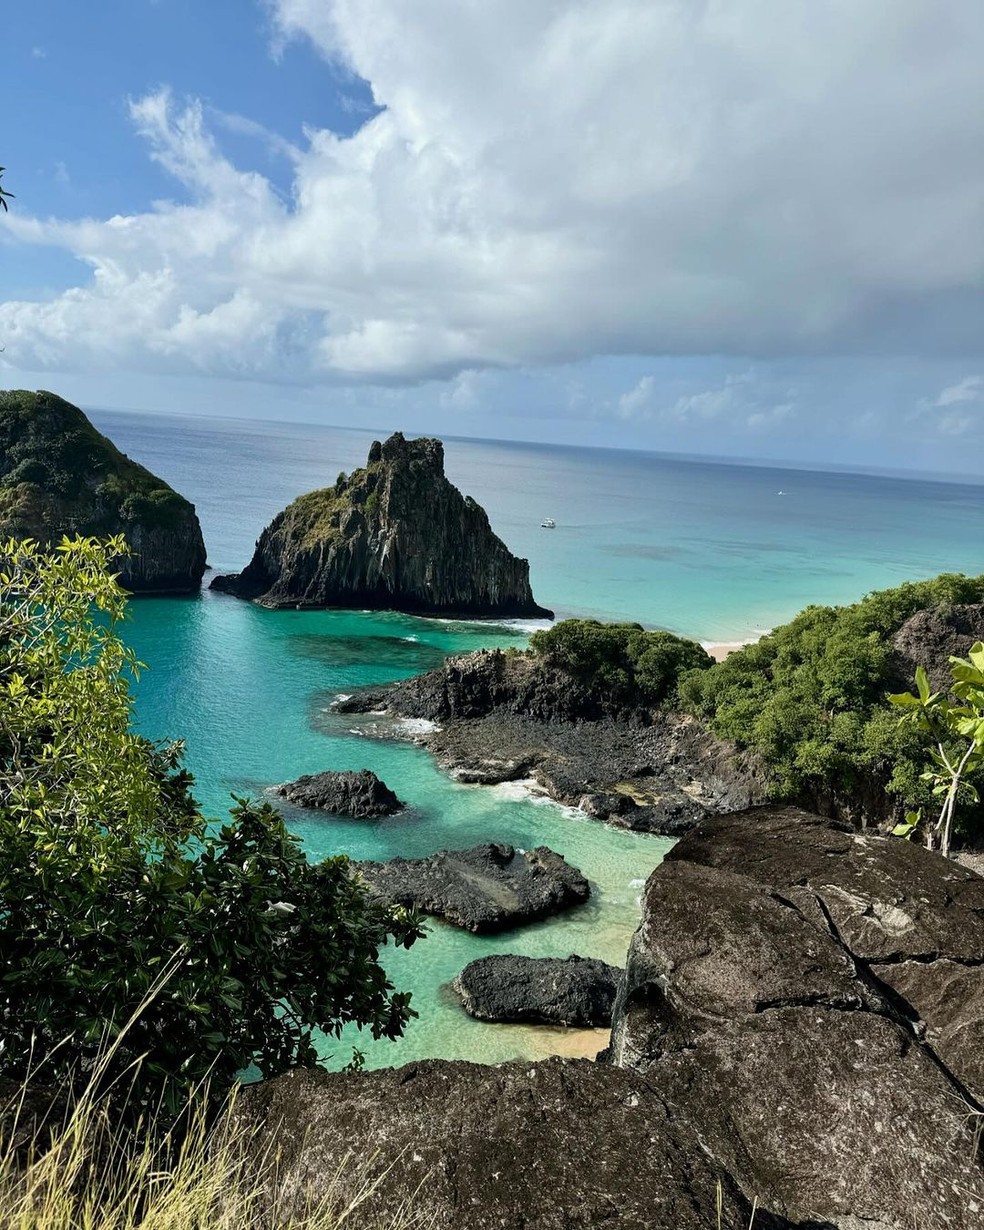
(632, 666)
(109, 875)
(956, 736)
(811, 698)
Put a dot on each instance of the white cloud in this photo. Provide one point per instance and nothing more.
(737, 403)
(956, 408)
(971, 388)
(550, 182)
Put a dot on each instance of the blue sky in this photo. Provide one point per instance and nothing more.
(751, 229)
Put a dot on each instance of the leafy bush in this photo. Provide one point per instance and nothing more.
(109, 873)
(811, 698)
(156, 509)
(956, 737)
(632, 666)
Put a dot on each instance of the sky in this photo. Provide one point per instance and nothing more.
(749, 228)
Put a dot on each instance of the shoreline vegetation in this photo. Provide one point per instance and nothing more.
(647, 731)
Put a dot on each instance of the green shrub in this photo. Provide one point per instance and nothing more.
(109, 874)
(631, 665)
(811, 698)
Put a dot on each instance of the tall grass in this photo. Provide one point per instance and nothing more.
(84, 1163)
(83, 1172)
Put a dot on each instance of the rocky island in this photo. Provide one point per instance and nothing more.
(394, 535)
(360, 795)
(485, 889)
(60, 476)
(577, 992)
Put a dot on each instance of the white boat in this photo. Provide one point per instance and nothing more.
(548, 523)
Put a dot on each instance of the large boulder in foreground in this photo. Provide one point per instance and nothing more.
(578, 991)
(488, 888)
(361, 795)
(558, 1145)
(812, 996)
(60, 476)
(395, 535)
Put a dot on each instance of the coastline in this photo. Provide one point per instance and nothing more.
(719, 650)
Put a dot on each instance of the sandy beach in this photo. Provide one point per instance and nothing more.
(720, 650)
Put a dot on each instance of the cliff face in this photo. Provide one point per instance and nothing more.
(395, 535)
(58, 475)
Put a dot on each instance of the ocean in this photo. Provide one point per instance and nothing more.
(714, 550)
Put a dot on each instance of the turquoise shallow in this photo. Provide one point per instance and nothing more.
(712, 550)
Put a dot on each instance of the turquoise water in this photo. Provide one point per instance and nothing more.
(708, 549)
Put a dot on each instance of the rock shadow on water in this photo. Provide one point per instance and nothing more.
(379, 656)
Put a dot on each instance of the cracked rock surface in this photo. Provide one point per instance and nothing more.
(799, 1029)
(815, 996)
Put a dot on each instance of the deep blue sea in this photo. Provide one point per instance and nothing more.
(713, 550)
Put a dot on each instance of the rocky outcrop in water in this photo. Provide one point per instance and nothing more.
(360, 795)
(578, 991)
(59, 476)
(474, 685)
(488, 888)
(799, 1026)
(507, 717)
(395, 535)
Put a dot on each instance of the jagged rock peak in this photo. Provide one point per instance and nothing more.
(393, 535)
(425, 450)
(59, 475)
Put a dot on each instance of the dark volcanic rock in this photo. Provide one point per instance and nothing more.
(395, 535)
(948, 997)
(559, 1145)
(509, 716)
(930, 637)
(361, 794)
(578, 992)
(799, 1023)
(487, 888)
(813, 997)
(59, 476)
(474, 685)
